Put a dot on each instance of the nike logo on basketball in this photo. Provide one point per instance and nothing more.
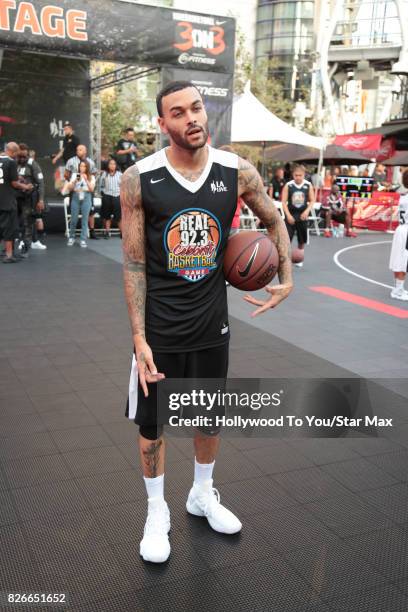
(156, 181)
(250, 262)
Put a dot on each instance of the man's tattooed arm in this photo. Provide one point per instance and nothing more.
(251, 189)
(134, 257)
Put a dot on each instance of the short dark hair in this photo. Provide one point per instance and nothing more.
(168, 89)
(129, 129)
(405, 178)
(22, 146)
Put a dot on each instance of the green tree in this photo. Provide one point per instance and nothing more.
(120, 108)
(265, 85)
(243, 62)
(268, 88)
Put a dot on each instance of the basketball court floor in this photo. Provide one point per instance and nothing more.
(325, 522)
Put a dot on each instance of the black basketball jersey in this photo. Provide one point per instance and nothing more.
(298, 197)
(8, 174)
(187, 226)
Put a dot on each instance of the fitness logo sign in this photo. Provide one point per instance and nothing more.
(199, 38)
(191, 241)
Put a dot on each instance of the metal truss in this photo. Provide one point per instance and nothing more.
(120, 75)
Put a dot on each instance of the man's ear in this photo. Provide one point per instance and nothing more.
(162, 125)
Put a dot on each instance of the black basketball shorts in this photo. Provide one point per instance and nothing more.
(299, 228)
(205, 363)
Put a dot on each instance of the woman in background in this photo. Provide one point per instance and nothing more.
(82, 185)
(110, 189)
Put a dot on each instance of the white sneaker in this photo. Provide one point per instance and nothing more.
(71, 241)
(20, 246)
(83, 244)
(38, 245)
(399, 294)
(299, 265)
(155, 545)
(204, 500)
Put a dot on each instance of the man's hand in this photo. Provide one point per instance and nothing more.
(290, 219)
(277, 294)
(305, 215)
(145, 365)
(27, 187)
(40, 206)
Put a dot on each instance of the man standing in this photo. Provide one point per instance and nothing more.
(179, 200)
(30, 202)
(297, 201)
(8, 205)
(277, 184)
(69, 144)
(71, 167)
(126, 150)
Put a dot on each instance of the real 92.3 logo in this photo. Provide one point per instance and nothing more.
(212, 40)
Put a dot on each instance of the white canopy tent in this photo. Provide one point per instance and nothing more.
(253, 123)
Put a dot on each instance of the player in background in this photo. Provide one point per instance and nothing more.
(298, 199)
(335, 209)
(177, 209)
(399, 248)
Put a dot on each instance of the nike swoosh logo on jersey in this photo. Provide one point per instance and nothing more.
(250, 262)
(157, 180)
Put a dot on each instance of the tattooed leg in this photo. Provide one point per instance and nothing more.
(152, 454)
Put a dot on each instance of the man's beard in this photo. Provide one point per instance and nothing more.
(181, 141)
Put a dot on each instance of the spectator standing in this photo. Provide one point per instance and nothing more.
(126, 150)
(399, 252)
(328, 179)
(277, 184)
(31, 202)
(316, 179)
(82, 185)
(72, 167)
(38, 226)
(110, 189)
(8, 204)
(69, 144)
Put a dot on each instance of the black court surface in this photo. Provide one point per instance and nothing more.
(325, 522)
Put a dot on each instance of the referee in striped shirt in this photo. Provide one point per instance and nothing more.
(110, 189)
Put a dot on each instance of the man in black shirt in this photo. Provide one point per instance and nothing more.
(69, 144)
(277, 184)
(126, 150)
(8, 205)
(30, 202)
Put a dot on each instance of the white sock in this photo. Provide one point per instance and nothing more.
(202, 472)
(154, 487)
(399, 284)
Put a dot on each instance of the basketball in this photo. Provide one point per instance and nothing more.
(298, 255)
(251, 260)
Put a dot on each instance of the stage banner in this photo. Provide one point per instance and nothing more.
(380, 213)
(217, 92)
(120, 31)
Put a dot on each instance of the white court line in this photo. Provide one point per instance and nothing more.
(358, 246)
